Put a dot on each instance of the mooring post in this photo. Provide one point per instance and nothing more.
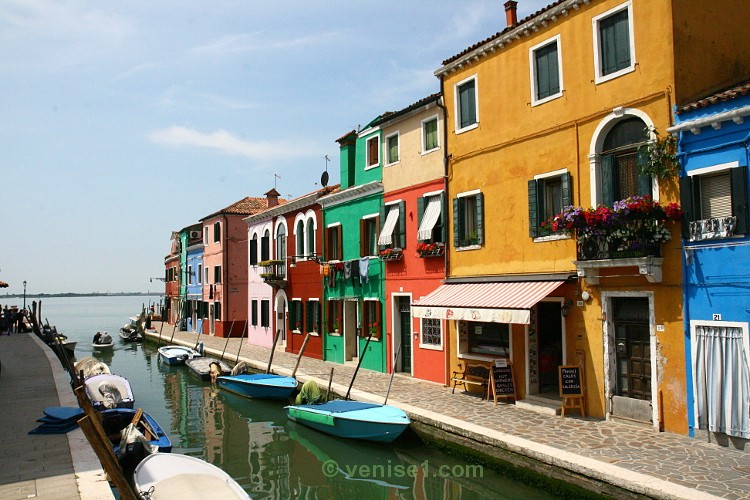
(299, 355)
(393, 372)
(359, 363)
(237, 359)
(273, 349)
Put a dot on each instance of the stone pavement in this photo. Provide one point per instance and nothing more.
(637, 459)
(47, 466)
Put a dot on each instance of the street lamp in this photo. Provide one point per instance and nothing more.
(24, 295)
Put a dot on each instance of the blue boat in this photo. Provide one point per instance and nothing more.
(259, 385)
(352, 419)
(116, 419)
(177, 354)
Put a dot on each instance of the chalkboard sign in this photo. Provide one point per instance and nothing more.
(501, 383)
(571, 383)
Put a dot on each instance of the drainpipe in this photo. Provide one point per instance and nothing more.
(441, 105)
(224, 304)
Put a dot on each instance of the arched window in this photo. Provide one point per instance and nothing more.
(310, 237)
(299, 236)
(265, 245)
(254, 250)
(281, 242)
(620, 175)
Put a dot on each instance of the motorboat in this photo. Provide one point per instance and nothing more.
(352, 419)
(109, 391)
(259, 385)
(177, 354)
(170, 475)
(102, 341)
(201, 367)
(91, 366)
(115, 420)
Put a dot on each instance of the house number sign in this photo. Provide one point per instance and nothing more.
(717, 317)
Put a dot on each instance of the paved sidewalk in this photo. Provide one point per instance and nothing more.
(47, 466)
(660, 465)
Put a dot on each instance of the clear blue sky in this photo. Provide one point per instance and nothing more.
(123, 121)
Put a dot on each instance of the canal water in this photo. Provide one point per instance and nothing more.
(252, 440)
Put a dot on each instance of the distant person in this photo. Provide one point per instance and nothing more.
(214, 371)
(98, 338)
(106, 338)
(148, 321)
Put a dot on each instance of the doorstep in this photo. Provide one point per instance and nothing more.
(541, 403)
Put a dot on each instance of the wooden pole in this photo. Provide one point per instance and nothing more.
(160, 329)
(393, 372)
(227, 342)
(273, 350)
(359, 363)
(237, 359)
(330, 381)
(299, 355)
(104, 453)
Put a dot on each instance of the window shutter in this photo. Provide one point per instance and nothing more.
(383, 211)
(265, 242)
(480, 217)
(253, 251)
(420, 212)
(293, 315)
(608, 180)
(309, 320)
(379, 318)
(688, 208)
(739, 198)
(442, 220)
(533, 209)
(362, 238)
(374, 242)
(567, 189)
(456, 223)
(644, 181)
(339, 243)
(401, 224)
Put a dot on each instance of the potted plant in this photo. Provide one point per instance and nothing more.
(390, 254)
(659, 155)
(336, 325)
(373, 329)
(426, 249)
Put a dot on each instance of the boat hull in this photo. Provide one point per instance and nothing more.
(352, 420)
(102, 346)
(116, 419)
(109, 389)
(200, 367)
(264, 386)
(176, 355)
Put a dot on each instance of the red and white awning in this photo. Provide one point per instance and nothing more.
(496, 302)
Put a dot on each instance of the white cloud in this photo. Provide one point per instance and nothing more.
(223, 141)
(247, 42)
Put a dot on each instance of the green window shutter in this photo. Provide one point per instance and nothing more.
(644, 181)
(614, 34)
(739, 198)
(547, 73)
(420, 212)
(608, 180)
(567, 189)
(457, 223)
(253, 251)
(688, 207)
(293, 315)
(443, 218)
(265, 246)
(383, 211)
(309, 319)
(533, 209)
(480, 217)
(401, 224)
(467, 102)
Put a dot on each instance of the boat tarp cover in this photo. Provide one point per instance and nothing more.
(345, 406)
(318, 418)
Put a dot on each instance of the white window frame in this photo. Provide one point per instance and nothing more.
(301, 320)
(431, 347)
(300, 217)
(281, 221)
(368, 163)
(190, 275)
(386, 149)
(598, 77)
(320, 315)
(205, 236)
(424, 136)
(310, 219)
(457, 106)
(464, 195)
(377, 232)
(199, 276)
(549, 175)
(532, 70)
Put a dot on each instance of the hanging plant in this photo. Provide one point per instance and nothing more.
(658, 157)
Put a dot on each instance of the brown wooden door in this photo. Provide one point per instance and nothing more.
(633, 348)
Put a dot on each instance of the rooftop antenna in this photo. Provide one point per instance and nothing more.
(274, 180)
(324, 177)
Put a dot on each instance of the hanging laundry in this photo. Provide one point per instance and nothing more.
(347, 269)
(364, 268)
(355, 272)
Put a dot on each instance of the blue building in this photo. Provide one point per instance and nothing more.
(713, 149)
(196, 307)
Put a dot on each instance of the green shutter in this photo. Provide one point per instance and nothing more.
(644, 180)
(401, 225)
(443, 218)
(567, 189)
(608, 180)
(533, 209)
(688, 207)
(420, 210)
(309, 320)
(253, 251)
(457, 223)
(480, 217)
(739, 198)
(293, 315)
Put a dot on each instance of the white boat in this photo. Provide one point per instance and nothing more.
(177, 354)
(170, 475)
(109, 391)
(103, 342)
(90, 367)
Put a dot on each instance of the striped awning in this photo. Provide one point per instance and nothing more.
(430, 217)
(386, 235)
(496, 302)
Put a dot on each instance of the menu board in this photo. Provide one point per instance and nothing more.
(502, 384)
(571, 381)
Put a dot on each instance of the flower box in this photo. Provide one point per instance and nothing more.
(430, 250)
(390, 254)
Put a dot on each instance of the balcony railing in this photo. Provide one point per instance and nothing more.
(273, 272)
(709, 229)
(600, 247)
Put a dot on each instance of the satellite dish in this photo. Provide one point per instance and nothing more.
(324, 179)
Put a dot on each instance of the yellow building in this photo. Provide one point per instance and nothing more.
(551, 112)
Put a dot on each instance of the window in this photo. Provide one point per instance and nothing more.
(391, 149)
(466, 105)
(613, 42)
(265, 313)
(295, 315)
(299, 237)
(714, 200)
(431, 218)
(429, 135)
(334, 246)
(312, 320)
(254, 312)
(265, 246)
(217, 311)
(372, 150)
(548, 194)
(217, 274)
(546, 71)
(310, 236)
(368, 236)
(621, 176)
(468, 217)
(371, 324)
(393, 233)
(217, 232)
(281, 242)
(254, 250)
(491, 339)
(335, 316)
(200, 273)
(190, 275)
(432, 333)
(206, 280)
(205, 236)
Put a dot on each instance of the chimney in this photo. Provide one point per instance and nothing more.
(272, 198)
(510, 12)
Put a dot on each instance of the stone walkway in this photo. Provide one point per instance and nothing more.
(46, 466)
(660, 465)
